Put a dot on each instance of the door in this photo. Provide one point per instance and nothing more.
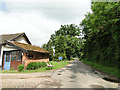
(7, 60)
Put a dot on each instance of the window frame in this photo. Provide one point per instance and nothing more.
(16, 55)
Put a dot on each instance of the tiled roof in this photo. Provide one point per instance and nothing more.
(8, 36)
(29, 47)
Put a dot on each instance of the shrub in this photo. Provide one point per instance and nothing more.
(39, 64)
(36, 65)
(20, 67)
(43, 64)
(32, 66)
(49, 62)
(29, 66)
(48, 68)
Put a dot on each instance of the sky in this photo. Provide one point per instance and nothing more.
(40, 18)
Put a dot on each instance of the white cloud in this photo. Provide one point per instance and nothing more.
(85, 1)
(40, 20)
(34, 24)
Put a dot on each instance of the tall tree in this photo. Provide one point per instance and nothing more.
(49, 47)
(101, 29)
(66, 41)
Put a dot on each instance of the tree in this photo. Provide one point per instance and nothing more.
(101, 29)
(66, 41)
(48, 47)
(60, 47)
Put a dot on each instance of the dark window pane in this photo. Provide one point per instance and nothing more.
(13, 55)
(7, 56)
(19, 55)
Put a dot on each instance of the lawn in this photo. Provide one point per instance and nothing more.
(57, 65)
(108, 70)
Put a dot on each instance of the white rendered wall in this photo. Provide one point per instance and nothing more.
(8, 48)
(21, 40)
(5, 48)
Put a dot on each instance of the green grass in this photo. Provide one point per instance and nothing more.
(57, 65)
(109, 70)
(60, 64)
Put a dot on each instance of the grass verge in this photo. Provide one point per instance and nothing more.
(108, 70)
(57, 65)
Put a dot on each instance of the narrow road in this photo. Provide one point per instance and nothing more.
(74, 75)
(79, 75)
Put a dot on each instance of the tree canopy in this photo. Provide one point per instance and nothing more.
(101, 42)
(101, 30)
(66, 41)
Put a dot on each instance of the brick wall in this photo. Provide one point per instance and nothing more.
(15, 64)
(37, 57)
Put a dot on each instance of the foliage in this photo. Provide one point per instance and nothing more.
(66, 41)
(57, 65)
(43, 64)
(50, 62)
(36, 65)
(48, 68)
(101, 34)
(109, 70)
(32, 66)
(49, 47)
(20, 67)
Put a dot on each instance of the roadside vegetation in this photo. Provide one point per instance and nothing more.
(108, 70)
(66, 42)
(101, 47)
(100, 44)
(57, 65)
(96, 41)
(102, 35)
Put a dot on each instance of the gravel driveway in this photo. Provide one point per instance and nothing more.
(28, 80)
(74, 75)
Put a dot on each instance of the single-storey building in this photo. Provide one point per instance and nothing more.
(16, 49)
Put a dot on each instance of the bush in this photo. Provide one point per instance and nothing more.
(20, 67)
(48, 68)
(49, 62)
(43, 64)
(39, 64)
(36, 65)
(32, 66)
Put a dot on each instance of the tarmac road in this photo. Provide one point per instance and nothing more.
(74, 75)
(80, 75)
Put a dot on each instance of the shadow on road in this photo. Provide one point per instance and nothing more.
(80, 67)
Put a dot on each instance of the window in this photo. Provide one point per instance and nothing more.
(7, 56)
(19, 55)
(16, 55)
(13, 55)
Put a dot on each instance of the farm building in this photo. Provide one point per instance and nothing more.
(16, 49)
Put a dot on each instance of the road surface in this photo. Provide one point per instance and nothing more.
(74, 75)
(79, 75)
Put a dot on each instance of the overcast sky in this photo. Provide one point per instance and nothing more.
(40, 18)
